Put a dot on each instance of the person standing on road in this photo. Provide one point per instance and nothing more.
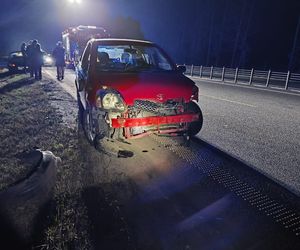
(29, 52)
(31, 55)
(59, 55)
(24, 54)
(37, 59)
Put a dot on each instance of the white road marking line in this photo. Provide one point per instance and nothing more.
(226, 100)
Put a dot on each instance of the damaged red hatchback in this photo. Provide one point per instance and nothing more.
(129, 88)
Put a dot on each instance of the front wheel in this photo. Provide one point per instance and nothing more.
(89, 124)
(80, 110)
(194, 127)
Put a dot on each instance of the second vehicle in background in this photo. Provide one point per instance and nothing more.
(48, 59)
(16, 62)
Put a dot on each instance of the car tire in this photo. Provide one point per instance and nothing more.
(89, 126)
(194, 127)
(80, 110)
(11, 70)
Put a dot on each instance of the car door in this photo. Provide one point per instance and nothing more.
(82, 74)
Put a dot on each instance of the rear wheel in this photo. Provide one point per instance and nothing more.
(12, 70)
(194, 127)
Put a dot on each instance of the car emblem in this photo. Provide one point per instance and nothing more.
(160, 97)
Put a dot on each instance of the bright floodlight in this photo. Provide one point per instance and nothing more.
(75, 1)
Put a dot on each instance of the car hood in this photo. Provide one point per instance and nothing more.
(155, 86)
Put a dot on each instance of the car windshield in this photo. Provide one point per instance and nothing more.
(128, 58)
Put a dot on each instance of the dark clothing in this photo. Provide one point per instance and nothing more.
(29, 52)
(37, 72)
(60, 71)
(37, 58)
(59, 55)
(37, 62)
(24, 53)
(24, 49)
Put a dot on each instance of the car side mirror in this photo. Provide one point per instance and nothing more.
(181, 68)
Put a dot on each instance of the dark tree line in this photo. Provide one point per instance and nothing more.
(125, 27)
(236, 33)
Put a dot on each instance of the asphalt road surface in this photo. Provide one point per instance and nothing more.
(261, 127)
(178, 197)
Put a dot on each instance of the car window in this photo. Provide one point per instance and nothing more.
(131, 58)
(86, 57)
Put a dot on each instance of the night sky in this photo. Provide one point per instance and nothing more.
(231, 33)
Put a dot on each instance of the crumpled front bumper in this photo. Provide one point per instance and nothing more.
(153, 120)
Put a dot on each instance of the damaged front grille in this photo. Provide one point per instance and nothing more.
(146, 108)
(167, 108)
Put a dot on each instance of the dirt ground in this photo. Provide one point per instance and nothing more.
(20, 120)
(39, 114)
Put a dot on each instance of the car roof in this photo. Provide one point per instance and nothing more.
(121, 41)
(17, 51)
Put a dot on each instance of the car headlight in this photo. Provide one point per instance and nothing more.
(110, 100)
(48, 59)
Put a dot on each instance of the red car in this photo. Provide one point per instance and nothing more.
(128, 89)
